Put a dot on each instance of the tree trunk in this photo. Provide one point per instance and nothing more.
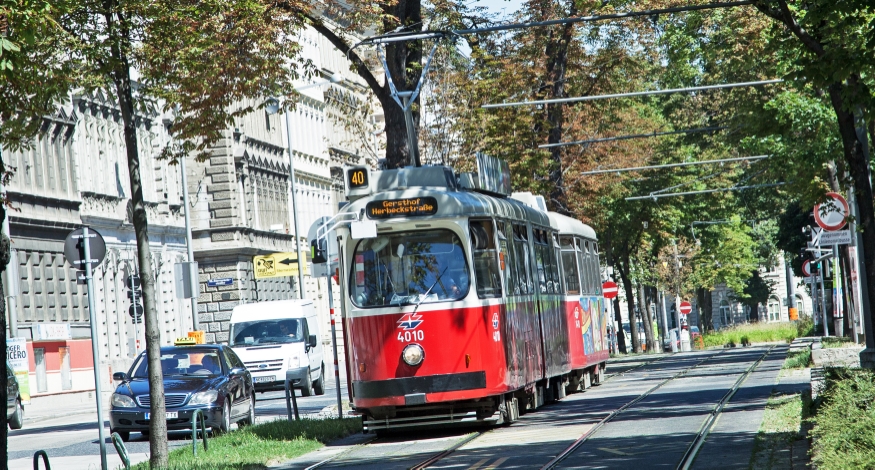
(706, 323)
(646, 318)
(621, 336)
(630, 304)
(122, 79)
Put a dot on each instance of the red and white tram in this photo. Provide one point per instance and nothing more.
(468, 305)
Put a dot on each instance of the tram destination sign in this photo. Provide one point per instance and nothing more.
(410, 207)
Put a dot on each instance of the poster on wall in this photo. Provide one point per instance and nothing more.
(16, 353)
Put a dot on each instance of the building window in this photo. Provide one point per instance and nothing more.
(774, 309)
(725, 316)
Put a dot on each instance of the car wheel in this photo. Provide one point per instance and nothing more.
(124, 435)
(17, 420)
(226, 417)
(319, 385)
(307, 390)
(250, 417)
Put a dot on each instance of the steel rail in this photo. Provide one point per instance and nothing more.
(611, 376)
(340, 454)
(693, 449)
(443, 454)
(576, 444)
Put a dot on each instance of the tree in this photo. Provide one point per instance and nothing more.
(34, 73)
(199, 56)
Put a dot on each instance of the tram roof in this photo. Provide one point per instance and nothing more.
(569, 225)
(455, 204)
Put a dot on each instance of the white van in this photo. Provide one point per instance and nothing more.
(280, 340)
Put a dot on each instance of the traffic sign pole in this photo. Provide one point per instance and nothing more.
(86, 242)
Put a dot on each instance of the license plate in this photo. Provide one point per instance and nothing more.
(269, 378)
(170, 415)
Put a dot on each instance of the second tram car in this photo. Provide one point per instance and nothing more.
(469, 305)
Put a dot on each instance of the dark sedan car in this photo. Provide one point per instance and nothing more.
(14, 409)
(208, 377)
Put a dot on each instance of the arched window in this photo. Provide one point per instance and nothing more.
(774, 309)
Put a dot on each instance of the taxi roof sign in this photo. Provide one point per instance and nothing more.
(185, 341)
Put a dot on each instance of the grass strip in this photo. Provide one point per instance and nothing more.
(257, 447)
(799, 359)
(781, 428)
(830, 342)
(752, 333)
(844, 424)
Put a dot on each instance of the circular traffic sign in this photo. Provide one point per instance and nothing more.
(832, 214)
(807, 269)
(686, 307)
(74, 248)
(609, 289)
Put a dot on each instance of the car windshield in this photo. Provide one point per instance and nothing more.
(408, 268)
(249, 333)
(182, 363)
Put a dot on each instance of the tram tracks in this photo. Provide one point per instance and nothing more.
(705, 428)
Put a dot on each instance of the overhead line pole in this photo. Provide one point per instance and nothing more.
(705, 191)
(634, 94)
(633, 136)
(674, 165)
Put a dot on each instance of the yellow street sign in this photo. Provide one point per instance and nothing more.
(278, 265)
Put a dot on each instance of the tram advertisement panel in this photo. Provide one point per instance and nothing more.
(588, 317)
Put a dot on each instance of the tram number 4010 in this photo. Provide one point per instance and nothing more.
(408, 336)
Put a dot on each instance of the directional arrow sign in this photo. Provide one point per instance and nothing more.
(278, 265)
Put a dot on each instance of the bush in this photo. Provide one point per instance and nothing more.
(797, 359)
(844, 425)
(805, 325)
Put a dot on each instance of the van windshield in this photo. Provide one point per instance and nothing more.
(250, 333)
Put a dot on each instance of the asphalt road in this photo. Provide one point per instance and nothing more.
(72, 441)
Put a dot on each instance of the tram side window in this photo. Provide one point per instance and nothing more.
(553, 251)
(486, 269)
(540, 261)
(522, 260)
(598, 268)
(592, 272)
(569, 266)
(505, 235)
(582, 257)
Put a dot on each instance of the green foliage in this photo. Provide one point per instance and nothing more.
(783, 424)
(798, 359)
(263, 444)
(754, 333)
(844, 424)
(804, 326)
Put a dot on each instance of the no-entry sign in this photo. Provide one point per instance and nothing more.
(686, 307)
(609, 289)
(832, 214)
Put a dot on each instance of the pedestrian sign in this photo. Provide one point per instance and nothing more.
(278, 265)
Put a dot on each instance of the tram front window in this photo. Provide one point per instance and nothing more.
(408, 268)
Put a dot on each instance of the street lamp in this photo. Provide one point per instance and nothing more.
(272, 106)
(193, 275)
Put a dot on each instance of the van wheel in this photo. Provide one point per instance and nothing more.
(307, 390)
(319, 385)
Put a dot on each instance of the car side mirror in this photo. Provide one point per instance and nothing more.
(237, 371)
(312, 342)
(122, 376)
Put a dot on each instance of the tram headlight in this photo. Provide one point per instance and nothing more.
(413, 354)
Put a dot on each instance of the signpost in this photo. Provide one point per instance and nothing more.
(609, 291)
(85, 248)
(278, 265)
(685, 308)
(319, 236)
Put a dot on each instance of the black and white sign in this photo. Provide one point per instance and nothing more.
(840, 237)
(74, 248)
(225, 281)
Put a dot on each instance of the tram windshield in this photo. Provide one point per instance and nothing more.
(408, 268)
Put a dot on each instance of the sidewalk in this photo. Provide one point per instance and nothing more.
(80, 462)
(61, 405)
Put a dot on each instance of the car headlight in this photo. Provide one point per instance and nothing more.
(122, 401)
(413, 354)
(204, 398)
(293, 362)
